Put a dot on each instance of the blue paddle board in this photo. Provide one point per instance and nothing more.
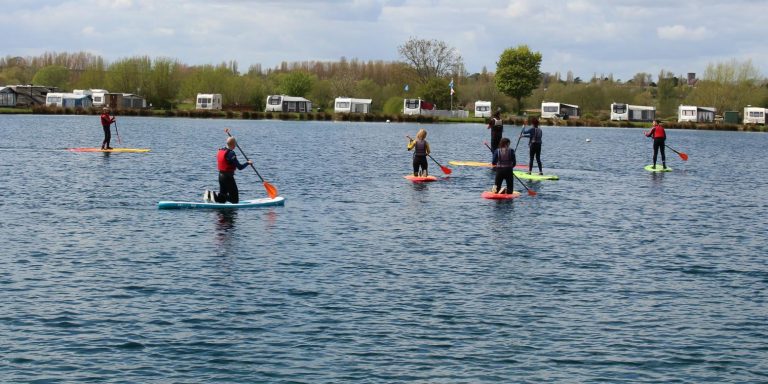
(255, 203)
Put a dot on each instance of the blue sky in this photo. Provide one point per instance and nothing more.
(587, 37)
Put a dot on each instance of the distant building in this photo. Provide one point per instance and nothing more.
(754, 115)
(283, 103)
(563, 111)
(7, 97)
(122, 101)
(694, 114)
(628, 112)
(350, 105)
(208, 101)
(482, 108)
(30, 95)
(67, 100)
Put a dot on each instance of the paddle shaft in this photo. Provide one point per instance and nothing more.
(246, 158)
(530, 192)
(444, 169)
(117, 133)
(682, 155)
(520, 137)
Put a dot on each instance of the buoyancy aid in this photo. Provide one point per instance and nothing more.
(420, 148)
(224, 165)
(658, 132)
(506, 158)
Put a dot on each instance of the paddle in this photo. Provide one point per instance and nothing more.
(118, 133)
(271, 190)
(530, 192)
(682, 155)
(445, 170)
(520, 137)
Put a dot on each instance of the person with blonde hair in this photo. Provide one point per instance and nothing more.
(227, 164)
(420, 148)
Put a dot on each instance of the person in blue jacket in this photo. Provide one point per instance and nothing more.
(534, 144)
(227, 163)
(504, 164)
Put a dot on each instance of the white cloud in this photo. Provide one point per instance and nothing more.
(681, 32)
(88, 31)
(517, 9)
(164, 31)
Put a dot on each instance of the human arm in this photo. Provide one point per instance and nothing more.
(232, 159)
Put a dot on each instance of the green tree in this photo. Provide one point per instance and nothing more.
(297, 83)
(517, 73)
(52, 75)
(431, 58)
(164, 82)
(436, 91)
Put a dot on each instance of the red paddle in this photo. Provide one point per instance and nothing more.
(682, 155)
(271, 190)
(445, 170)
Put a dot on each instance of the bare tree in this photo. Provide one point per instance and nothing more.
(431, 58)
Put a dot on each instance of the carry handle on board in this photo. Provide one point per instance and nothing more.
(445, 170)
(271, 190)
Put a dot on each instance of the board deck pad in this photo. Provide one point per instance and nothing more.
(124, 150)
(500, 196)
(421, 179)
(254, 203)
(659, 168)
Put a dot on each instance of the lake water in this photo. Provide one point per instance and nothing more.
(611, 274)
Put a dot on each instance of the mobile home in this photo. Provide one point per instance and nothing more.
(123, 101)
(754, 115)
(208, 101)
(694, 114)
(283, 103)
(416, 106)
(482, 108)
(7, 97)
(67, 100)
(350, 105)
(551, 110)
(628, 112)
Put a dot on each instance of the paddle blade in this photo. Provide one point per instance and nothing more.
(531, 192)
(683, 156)
(446, 170)
(271, 190)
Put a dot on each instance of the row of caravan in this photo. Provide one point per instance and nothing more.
(80, 98)
(685, 113)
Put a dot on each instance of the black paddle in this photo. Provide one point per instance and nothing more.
(530, 192)
(117, 133)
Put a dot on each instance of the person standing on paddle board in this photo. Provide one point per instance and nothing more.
(106, 124)
(504, 163)
(497, 128)
(659, 137)
(420, 148)
(534, 144)
(227, 163)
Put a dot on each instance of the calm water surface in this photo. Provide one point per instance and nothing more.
(611, 274)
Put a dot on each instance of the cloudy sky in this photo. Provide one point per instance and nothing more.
(619, 37)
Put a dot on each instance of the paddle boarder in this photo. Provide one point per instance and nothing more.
(227, 164)
(534, 144)
(420, 148)
(106, 125)
(497, 128)
(504, 163)
(659, 137)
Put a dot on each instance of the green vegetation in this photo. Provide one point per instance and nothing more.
(427, 67)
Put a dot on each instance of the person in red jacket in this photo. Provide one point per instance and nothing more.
(227, 163)
(659, 136)
(106, 125)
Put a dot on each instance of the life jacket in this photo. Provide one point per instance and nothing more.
(535, 136)
(497, 123)
(658, 132)
(420, 148)
(106, 121)
(224, 165)
(506, 158)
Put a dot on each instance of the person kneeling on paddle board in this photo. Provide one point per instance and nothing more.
(227, 163)
(659, 137)
(534, 144)
(420, 151)
(504, 163)
(106, 125)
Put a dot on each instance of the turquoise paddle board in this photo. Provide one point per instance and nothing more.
(255, 203)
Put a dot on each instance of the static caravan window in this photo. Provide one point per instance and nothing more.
(412, 103)
(342, 104)
(302, 107)
(755, 114)
(483, 108)
(54, 99)
(204, 100)
(688, 112)
(97, 99)
(620, 108)
(274, 100)
(551, 109)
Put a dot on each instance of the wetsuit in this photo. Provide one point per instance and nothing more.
(504, 163)
(227, 163)
(106, 125)
(497, 128)
(420, 152)
(534, 145)
(659, 137)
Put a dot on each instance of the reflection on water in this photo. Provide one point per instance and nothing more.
(225, 228)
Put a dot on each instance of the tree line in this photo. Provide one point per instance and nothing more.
(427, 68)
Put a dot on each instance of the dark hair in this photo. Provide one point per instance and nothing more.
(504, 142)
(535, 122)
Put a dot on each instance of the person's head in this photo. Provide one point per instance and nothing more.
(497, 114)
(535, 122)
(105, 110)
(231, 142)
(421, 134)
(657, 122)
(504, 143)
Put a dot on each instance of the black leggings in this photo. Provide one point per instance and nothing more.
(419, 161)
(496, 134)
(505, 174)
(227, 189)
(659, 144)
(107, 136)
(535, 150)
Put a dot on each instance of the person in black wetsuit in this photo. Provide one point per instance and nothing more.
(659, 137)
(227, 164)
(504, 163)
(534, 144)
(497, 129)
